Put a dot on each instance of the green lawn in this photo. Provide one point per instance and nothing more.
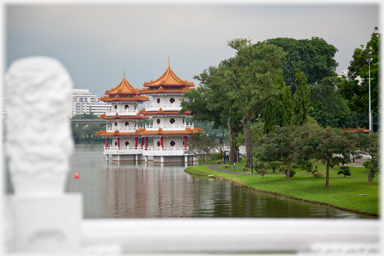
(342, 192)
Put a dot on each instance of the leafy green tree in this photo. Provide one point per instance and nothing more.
(210, 102)
(301, 99)
(76, 133)
(356, 92)
(345, 171)
(278, 110)
(325, 145)
(273, 165)
(314, 57)
(278, 145)
(373, 168)
(251, 77)
(327, 107)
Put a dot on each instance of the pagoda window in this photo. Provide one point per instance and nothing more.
(115, 106)
(172, 143)
(115, 123)
(115, 143)
(172, 120)
(158, 100)
(126, 123)
(126, 106)
(183, 120)
(172, 100)
(126, 143)
(158, 143)
(158, 121)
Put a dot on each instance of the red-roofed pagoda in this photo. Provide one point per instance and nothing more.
(169, 131)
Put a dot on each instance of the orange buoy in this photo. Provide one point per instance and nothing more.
(77, 175)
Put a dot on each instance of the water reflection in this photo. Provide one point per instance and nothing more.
(125, 190)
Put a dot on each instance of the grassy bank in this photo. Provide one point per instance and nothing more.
(342, 193)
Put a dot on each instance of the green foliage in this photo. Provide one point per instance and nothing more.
(326, 105)
(273, 165)
(85, 116)
(325, 145)
(373, 168)
(318, 174)
(76, 133)
(278, 110)
(283, 168)
(314, 57)
(356, 94)
(301, 99)
(345, 171)
(262, 172)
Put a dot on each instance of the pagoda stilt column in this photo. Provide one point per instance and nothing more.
(162, 143)
(185, 142)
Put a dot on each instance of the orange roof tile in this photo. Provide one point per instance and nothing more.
(169, 78)
(119, 98)
(124, 88)
(138, 116)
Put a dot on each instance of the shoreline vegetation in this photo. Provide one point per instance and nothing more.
(352, 194)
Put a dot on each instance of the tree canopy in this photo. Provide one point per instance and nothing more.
(356, 92)
(314, 57)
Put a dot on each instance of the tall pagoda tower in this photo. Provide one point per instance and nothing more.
(169, 131)
(122, 138)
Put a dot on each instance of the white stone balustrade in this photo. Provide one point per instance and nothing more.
(121, 112)
(172, 127)
(165, 107)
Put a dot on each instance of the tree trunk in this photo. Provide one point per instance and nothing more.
(288, 169)
(327, 175)
(247, 138)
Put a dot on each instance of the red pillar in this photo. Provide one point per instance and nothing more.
(137, 143)
(118, 142)
(106, 142)
(161, 141)
(142, 142)
(146, 143)
(185, 142)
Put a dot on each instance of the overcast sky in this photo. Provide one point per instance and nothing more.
(96, 43)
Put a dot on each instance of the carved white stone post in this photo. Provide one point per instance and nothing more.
(38, 146)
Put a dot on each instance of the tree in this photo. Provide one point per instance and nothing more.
(210, 102)
(327, 107)
(76, 133)
(301, 99)
(278, 110)
(314, 57)
(278, 145)
(345, 171)
(252, 78)
(354, 87)
(325, 145)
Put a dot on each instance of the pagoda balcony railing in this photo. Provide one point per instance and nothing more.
(123, 150)
(164, 107)
(112, 128)
(171, 127)
(113, 112)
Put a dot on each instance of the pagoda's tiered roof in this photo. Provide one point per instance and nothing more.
(124, 91)
(162, 113)
(169, 79)
(125, 98)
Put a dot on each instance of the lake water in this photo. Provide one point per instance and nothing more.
(125, 190)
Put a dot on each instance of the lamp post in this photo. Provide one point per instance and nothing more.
(369, 94)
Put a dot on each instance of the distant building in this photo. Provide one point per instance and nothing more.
(345, 73)
(85, 102)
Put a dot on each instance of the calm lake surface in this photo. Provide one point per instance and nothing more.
(125, 190)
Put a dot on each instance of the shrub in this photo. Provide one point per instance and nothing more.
(345, 171)
(318, 174)
(273, 165)
(262, 172)
(283, 168)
